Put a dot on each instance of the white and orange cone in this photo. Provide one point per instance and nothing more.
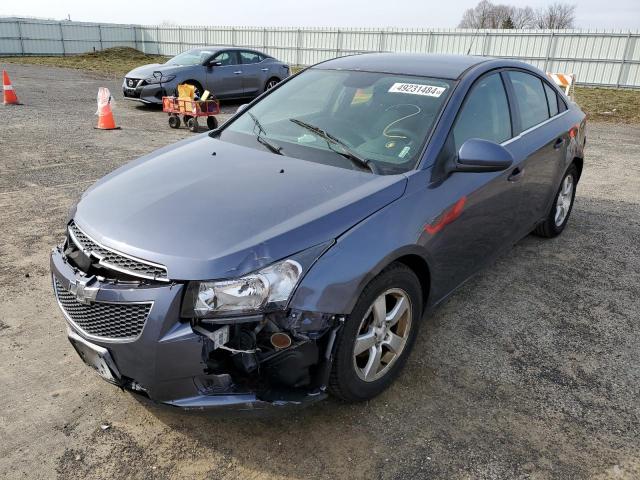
(10, 97)
(104, 112)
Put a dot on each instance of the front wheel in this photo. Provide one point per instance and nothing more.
(376, 339)
(558, 215)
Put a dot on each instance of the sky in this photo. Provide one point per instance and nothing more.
(612, 14)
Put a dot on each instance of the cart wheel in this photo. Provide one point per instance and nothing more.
(174, 121)
(185, 119)
(212, 123)
(193, 124)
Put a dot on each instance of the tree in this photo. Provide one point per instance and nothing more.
(523, 17)
(556, 16)
(507, 23)
(490, 15)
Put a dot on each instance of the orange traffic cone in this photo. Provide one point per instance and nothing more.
(105, 115)
(105, 118)
(10, 97)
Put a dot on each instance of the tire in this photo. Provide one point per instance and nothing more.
(351, 379)
(272, 82)
(212, 123)
(560, 210)
(193, 124)
(174, 121)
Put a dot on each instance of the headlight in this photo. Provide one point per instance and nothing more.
(266, 290)
(159, 79)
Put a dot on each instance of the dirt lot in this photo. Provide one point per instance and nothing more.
(530, 371)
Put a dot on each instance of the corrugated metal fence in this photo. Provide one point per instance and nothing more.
(603, 58)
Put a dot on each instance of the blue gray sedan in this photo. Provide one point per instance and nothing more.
(227, 72)
(294, 252)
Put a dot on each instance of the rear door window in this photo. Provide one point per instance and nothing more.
(484, 114)
(552, 100)
(530, 98)
(226, 58)
(250, 57)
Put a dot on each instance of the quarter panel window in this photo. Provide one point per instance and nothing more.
(530, 98)
(552, 100)
(484, 114)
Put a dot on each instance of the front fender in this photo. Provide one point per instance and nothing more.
(337, 279)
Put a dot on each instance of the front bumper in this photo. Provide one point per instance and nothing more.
(166, 360)
(145, 93)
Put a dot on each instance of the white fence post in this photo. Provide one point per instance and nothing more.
(64, 51)
(22, 52)
(625, 52)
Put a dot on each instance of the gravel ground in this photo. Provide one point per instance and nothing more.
(531, 370)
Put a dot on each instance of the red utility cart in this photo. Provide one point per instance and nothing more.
(190, 111)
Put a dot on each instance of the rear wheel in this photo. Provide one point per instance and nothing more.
(174, 121)
(377, 337)
(560, 210)
(272, 82)
(193, 124)
(212, 123)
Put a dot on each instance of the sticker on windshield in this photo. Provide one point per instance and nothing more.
(417, 89)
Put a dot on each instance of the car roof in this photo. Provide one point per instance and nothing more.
(429, 65)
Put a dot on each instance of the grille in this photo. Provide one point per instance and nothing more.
(107, 320)
(114, 260)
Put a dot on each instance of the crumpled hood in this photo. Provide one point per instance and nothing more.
(146, 71)
(210, 216)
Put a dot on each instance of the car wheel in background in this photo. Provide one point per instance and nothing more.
(212, 123)
(560, 210)
(378, 335)
(272, 82)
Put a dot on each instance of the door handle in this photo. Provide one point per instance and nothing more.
(558, 143)
(516, 174)
(264, 69)
(238, 72)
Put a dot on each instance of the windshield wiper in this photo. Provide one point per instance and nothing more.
(345, 149)
(271, 146)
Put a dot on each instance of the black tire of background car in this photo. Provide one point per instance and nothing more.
(174, 121)
(548, 228)
(344, 382)
(212, 123)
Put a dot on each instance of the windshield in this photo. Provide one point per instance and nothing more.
(345, 118)
(197, 56)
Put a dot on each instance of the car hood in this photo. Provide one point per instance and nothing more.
(146, 71)
(209, 215)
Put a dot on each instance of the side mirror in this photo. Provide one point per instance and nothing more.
(476, 155)
(242, 107)
(213, 64)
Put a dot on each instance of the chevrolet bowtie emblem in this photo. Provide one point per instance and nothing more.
(83, 289)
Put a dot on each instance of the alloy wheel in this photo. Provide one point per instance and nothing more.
(382, 335)
(563, 202)
(271, 84)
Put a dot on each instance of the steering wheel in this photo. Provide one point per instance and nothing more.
(398, 133)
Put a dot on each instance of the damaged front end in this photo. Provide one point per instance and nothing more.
(283, 358)
(232, 343)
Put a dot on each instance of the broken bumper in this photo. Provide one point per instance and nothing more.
(166, 360)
